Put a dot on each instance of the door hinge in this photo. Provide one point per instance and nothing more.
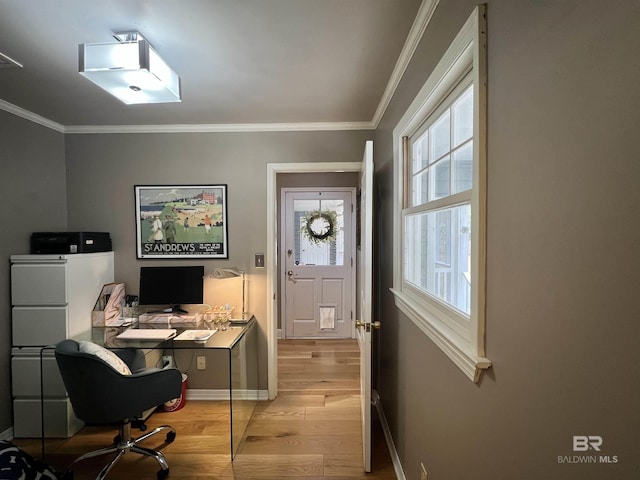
(351, 314)
(351, 261)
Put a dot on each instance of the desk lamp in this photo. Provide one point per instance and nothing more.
(231, 272)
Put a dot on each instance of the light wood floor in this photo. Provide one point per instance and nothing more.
(310, 431)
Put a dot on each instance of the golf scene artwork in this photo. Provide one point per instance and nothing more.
(182, 221)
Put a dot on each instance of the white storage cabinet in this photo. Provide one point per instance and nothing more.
(52, 298)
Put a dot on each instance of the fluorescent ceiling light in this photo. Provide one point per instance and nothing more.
(130, 69)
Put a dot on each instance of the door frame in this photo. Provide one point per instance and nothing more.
(273, 169)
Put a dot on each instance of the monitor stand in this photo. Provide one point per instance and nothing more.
(175, 309)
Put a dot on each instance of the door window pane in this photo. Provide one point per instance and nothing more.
(327, 217)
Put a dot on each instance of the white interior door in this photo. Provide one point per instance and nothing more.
(365, 272)
(318, 276)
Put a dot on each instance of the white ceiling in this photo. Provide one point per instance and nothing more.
(240, 61)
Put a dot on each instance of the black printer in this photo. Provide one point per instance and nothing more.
(70, 242)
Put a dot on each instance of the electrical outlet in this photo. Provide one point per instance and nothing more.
(201, 362)
(423, 472)
(259, 260)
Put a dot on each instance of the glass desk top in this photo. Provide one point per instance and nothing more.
(238, 340)
(108, 336)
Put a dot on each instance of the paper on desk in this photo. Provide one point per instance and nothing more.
(196, 335)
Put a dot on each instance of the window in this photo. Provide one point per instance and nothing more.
(439, 154)
(437, 221)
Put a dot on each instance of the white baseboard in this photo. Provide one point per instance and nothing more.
(222, 394)
(279, 334)
(395, 459)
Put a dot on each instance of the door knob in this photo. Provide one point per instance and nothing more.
(290, 273)
(368, 326)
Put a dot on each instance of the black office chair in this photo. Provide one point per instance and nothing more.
(100, 394)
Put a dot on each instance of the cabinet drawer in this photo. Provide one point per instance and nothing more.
(41, 284)
(39, 325)
(59, 419)
(25, 376)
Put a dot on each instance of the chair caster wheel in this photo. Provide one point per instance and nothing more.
(162, 474)
(171, 436)
(139, 424)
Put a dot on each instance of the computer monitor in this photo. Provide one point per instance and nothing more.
(172, 286)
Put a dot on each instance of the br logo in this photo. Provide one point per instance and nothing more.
(582, 443)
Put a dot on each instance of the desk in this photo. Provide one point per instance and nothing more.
(239, 342)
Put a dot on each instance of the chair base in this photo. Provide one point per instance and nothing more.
(124, 443)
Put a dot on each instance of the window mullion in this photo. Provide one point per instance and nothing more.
(446, 202)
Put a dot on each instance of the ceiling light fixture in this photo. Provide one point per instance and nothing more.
(130, 70)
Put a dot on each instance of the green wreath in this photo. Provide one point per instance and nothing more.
(320, 226)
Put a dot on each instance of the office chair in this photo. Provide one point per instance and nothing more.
(102, 391)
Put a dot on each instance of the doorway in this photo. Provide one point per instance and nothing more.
(317, 262)
(276, 172)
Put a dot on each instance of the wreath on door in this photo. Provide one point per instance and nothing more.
(319, 227)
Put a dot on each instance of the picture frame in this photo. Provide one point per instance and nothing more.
(181, 221)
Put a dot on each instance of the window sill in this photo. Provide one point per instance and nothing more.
(459, 351)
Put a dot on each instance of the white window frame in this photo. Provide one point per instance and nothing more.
(462, 342)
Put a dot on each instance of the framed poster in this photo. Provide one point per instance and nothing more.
(181, 221)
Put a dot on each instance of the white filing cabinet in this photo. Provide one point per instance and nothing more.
(52, 298)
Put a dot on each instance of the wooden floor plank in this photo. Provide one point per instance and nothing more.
(277, 465)
(304, 427)
(303, 444)
(338, 413)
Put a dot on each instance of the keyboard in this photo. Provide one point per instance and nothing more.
(148, 334)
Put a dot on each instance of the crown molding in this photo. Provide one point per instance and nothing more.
(32, 117)
(220, 128)
(185, 128)
(423, 17)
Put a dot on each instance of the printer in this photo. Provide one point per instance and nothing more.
(70, 242)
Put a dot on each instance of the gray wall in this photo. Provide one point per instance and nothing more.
(563, 254)
(103, 169)
(32, 198)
